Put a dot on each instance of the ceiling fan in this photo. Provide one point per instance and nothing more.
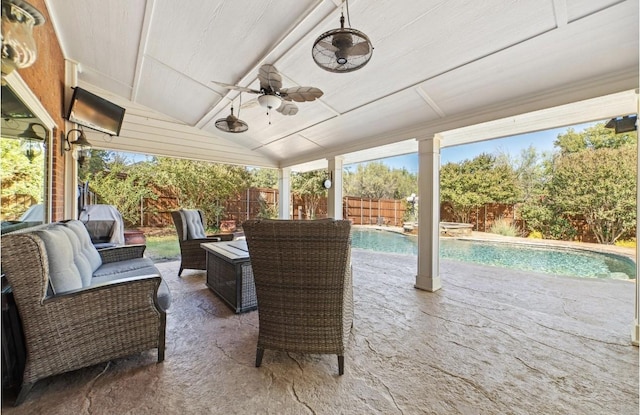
(273, 96)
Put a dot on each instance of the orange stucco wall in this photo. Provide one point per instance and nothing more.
(46, 79)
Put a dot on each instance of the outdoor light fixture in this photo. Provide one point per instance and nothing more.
(624, 124)
(31, 142)
(269, 101)
(18, 46)
(81, 146)
(343, 49)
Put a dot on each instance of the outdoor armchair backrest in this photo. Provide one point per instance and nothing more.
(302, 272)
(190, 226)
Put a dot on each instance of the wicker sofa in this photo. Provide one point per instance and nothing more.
(80, 306)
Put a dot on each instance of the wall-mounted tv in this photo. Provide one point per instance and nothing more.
(92, 111)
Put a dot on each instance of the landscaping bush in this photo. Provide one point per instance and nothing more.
(626, 243)
(504, 227)
(535, 235)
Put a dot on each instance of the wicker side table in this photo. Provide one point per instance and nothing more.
(229, 274)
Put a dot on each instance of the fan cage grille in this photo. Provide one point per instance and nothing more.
(326, 58)
(239, 126)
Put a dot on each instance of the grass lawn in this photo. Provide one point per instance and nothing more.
(163, 248)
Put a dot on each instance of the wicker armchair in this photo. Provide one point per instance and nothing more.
(192, 256)
(302, 272)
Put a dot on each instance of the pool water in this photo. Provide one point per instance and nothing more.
(559, 261)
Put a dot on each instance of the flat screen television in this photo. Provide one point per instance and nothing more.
(92, 111)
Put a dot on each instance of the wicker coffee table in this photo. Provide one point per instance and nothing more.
(229, 274)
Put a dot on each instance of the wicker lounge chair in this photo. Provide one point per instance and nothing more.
(190, 226)
(302, 272)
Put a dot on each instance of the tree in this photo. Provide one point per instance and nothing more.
(98, 163)
(124, 187)
(476, 182)
(594, 137)
(264, 178)
(308, 186)
(376, 180)
(599, 184)
(202, 185)
(19, 177)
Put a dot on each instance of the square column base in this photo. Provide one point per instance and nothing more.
(425, 283)
(635, 333)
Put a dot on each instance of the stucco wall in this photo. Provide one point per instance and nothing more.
(46, 79)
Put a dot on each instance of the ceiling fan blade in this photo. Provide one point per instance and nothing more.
(359, 49)
(327, 45)
(270, 79)
(288, 108)
(236, 87)
(250, 104)
(301, 93)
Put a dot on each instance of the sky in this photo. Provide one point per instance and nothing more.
(541, 141)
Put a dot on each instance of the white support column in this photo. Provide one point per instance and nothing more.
(635, 332)
(284, 189)
(428, 277)
(334, 199)
(70, 164)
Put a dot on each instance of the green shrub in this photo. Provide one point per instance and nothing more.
(626, 243)
(503, 227)
(535, 235)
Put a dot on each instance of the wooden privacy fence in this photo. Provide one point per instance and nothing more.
(263, 202)
(365, 211)
(250, 204)
(13, 206)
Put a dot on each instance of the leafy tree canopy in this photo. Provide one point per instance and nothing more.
(594, 137)
(377, 181)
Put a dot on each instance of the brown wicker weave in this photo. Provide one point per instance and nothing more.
(78, 328)
(302, 272)
(192, 256)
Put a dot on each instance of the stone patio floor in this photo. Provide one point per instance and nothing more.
(491, 341)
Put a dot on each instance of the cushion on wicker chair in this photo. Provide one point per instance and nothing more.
(88, 249)
(63, 272)
(194, 226)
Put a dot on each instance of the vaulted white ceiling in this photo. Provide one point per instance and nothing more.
(437, 66)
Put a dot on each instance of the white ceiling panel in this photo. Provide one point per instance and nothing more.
(392, 113)
(506, 76)
(296, 145)
(411, 44)
(218, 40)
(189, 101)
(104, 38)
(577, 9)
(437, 66)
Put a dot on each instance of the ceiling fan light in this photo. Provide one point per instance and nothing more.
(269, 101)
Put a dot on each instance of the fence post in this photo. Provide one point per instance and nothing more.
(141, 211)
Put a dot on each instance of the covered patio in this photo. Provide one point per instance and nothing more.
(472, 339)
(492, 341)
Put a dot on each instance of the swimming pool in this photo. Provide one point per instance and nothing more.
(551, 260)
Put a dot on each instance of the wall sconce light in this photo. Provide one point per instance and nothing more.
(81, 146)
(31, 142)
(18, 46)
